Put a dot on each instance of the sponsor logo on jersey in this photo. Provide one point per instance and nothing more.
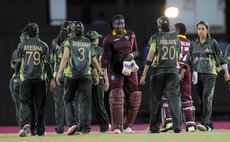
(208, 50)
(196, 59)
(116, 39)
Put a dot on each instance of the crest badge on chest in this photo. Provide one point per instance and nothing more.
(127, 37)
(208, 50)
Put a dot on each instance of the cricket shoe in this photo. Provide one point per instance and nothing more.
(191, 129)
(73, 129)
(155, 130)
(117, 131)
(168, 126)
(204, 128)
(128, 131)
(201, 127)
(24, 131)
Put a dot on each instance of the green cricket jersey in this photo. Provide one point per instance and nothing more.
(227, 56)
(80, 56)
(203, 57)
(166, 48)
(33, 55)
(227, 53)
(98, 52)
(13, 63)
(56, 53)
(13, 59)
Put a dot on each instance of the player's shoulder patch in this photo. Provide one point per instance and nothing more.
(130, 35)
(153, 37)
(126, 37)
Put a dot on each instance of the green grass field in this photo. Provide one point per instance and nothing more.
(214, 136)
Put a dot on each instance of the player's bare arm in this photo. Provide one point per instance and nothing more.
(96, 65)
(64, 60)
(106, 85)
(148, 63)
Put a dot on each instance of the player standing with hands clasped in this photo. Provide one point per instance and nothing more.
(98, 85)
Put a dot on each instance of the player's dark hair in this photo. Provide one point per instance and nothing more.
(61, 37)
(23, 37)
(77, 27)
(203, 23)
(180, 28)
(115, 17)
(31, 29)
(163, 23)
(65, 25)
(65, 30)
(165, 28)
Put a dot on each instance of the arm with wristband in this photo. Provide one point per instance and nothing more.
(222, 60)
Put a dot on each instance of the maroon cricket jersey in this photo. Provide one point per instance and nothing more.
(185, 43)
(116, 48)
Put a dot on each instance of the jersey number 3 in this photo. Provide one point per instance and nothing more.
(82, 54)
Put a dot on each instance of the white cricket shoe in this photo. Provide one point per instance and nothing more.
(117, 131)
(168, 126)
(128, 131)
(201, 127)
(72, 130)
(24, 131)
(191, 129)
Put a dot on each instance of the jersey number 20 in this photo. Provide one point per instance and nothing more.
(168, 53)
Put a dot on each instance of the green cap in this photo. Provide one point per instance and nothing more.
(93, 35)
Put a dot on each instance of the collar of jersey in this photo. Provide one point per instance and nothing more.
(181, 36)
(114, 33)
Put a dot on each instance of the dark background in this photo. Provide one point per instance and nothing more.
(140, 18)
